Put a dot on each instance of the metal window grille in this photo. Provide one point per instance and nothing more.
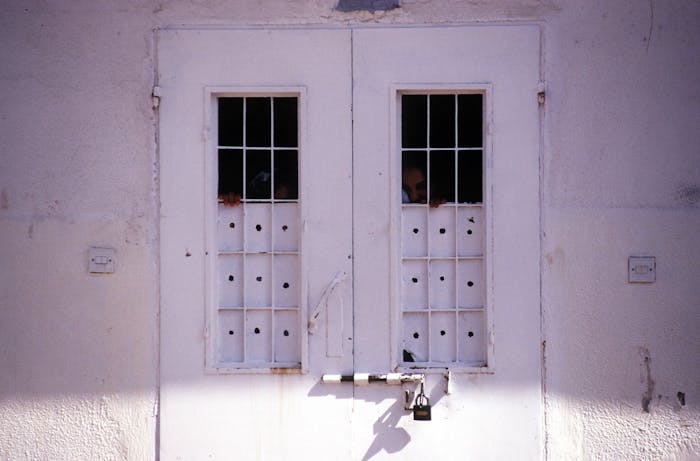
(257, 322)
(443, 318)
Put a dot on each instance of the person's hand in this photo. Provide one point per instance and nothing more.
(230, 198)
(436, 202)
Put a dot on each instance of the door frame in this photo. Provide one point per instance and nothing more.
(211, 93)
(396, 89)
(189, 394)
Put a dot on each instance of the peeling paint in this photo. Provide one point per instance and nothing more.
(648, 393)
(688, 195)
(367, 5)
(285, 371)
(681, 398)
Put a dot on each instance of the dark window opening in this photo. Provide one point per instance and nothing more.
(258, 149)
(258, 122)
(442, 148)
(442, 176)
(414, 121)
(442, 120)
(286, 133)
(470, 116)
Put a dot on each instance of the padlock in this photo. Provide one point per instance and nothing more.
(421, 409)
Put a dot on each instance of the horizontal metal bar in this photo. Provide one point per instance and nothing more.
(366, 378)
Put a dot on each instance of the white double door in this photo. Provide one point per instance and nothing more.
(349, 168)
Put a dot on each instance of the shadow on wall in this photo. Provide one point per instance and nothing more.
(388, 436)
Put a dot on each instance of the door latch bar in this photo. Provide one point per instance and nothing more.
(366, 378)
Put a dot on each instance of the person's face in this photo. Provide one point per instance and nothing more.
(282, 191)
(415, 185)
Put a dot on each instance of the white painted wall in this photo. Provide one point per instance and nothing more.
(78, 354)
(621, 176)
(622, 165)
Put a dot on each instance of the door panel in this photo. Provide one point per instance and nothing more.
(481, 408)
(225, 414)
(350, 235)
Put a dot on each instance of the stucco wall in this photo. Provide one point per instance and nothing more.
(78, 352)
(622, 165)
(620, 176)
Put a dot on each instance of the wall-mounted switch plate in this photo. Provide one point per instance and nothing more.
(642, 269)
(101, 260)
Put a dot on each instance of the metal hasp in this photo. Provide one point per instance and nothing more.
(420, 408)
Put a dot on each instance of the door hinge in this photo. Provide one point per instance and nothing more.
(155, 97)
(540, 93)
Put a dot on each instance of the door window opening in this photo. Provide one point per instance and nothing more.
(443, 292)
(257, 314)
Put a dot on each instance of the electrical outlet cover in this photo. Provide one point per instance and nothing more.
(101, 260)
(642, 269)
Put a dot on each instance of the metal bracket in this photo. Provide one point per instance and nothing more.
(339, 277)
(409, 395)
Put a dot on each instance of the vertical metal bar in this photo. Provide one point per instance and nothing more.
(401, 321)
(427, 210)
(244, 198)
(245, 153)
(301, 313)
(215, 335)
(273, 279)
(456, 163)
(272, 151)
(456, 231)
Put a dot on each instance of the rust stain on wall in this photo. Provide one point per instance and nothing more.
(648, 393)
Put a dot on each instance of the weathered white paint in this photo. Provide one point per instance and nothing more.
(322, 61)
(620, 176)
(504, 60)
(78, 351)
(318, 61)
(622, 171)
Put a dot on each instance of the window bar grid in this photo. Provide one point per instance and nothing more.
(245, 308)
(456, 259)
